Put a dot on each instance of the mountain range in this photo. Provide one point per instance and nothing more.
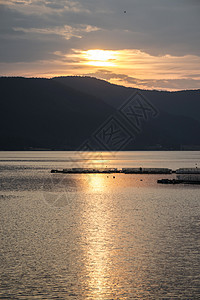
(73, 112)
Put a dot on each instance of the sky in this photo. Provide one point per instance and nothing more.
(149, 44)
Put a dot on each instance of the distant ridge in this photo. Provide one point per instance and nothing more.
(62, 112)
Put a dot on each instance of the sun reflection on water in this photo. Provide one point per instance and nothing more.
(97, 253)
(97, 182)
(113, 249)
(101, 234)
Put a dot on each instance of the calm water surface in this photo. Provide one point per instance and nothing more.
(94, 236)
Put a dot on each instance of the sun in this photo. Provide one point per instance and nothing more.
(97, 57)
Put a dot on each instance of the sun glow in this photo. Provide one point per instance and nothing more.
(99, 57)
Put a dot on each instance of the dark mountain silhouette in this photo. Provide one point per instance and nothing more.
(43, 113)
(63, 112)
(177, 125)
(185, 103)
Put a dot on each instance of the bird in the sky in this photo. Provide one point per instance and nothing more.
(125, 11)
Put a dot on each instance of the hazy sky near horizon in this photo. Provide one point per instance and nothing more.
(153, 44)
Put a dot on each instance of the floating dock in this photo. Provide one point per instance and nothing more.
(185, 176)
(146, 171)
(114, 170)
(188, 171)
(177, 181)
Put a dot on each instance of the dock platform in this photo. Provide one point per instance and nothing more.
(114, 170)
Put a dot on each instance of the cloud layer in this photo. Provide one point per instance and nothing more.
(49, 32)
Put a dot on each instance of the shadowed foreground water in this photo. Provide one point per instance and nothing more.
(95, 236)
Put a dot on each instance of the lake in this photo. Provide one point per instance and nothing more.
(98, 236)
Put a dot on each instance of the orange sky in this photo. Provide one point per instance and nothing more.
(151, 46)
